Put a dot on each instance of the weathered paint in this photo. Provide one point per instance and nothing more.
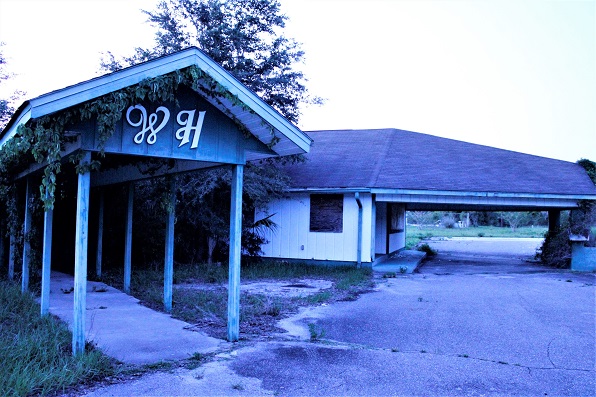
(583, 259)
(169, 251)
(190, 129)
(293, 238)
(26, 244)
(46, 260)
(2, 242)
(80, 273)
(359, 239)
(11, 246)
(261, 119)
(235, 253)
(99, 252)
(128, 238)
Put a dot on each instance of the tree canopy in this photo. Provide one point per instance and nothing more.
(244, 36)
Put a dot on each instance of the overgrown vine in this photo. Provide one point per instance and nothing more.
(42, 139)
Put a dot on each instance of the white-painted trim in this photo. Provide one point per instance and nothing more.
(94, 88)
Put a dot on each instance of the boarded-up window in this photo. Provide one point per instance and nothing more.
(326, 213)
(397, 221)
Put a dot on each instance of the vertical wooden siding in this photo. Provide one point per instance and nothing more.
(292, 216)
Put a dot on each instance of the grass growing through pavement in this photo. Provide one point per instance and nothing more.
(416, 234)
(207, 306)
(35, 351)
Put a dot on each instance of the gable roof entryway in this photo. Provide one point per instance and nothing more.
(208, 119)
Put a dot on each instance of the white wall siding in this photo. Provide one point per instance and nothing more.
(292, 216)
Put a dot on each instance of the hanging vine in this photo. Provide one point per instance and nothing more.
(42, 140)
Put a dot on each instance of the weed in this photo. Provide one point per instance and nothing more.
(463, 355)
(423, 351)
(237, 386)
(503, 362)
(316, 333)
(36, 351)
(403, 269)
(420, 299)
(390, 275)
(430, 251)
(480, 234)
(394, 350)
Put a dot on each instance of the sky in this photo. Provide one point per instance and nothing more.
(518, 75)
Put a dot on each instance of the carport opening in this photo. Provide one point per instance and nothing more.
(471, 232)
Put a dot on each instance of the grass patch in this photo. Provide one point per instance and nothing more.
(206, 306)
(35, 351)
(415, 234)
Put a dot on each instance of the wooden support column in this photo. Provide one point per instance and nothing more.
(46, 261)
(554, 221)
(168, 279)
(128, 238)
(80, 273)
(11, 246)
(98, 256)
(2, 242)
(26, 244)
(235, 253)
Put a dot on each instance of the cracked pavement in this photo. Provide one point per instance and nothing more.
(462, 326)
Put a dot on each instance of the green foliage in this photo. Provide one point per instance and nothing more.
(590, 168)
(244, 36)
(36, 351)
(430, 251)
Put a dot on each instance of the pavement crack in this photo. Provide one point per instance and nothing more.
(548, 352)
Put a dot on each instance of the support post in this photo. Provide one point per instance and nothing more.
(46, 261)
(2, 242)
(11, 253)
(80, 273)
(168, 279)
(99, 253)
(235, 252)
(359, 240)
(128, 239)
(554, 222)
(26, 244)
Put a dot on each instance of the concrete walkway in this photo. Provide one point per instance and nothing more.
(405, 261)
(126, 330)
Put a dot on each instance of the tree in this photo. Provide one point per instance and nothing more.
(6, 108)
(246, 38)
(514, 219)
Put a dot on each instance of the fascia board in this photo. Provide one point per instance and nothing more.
(483, 194)
(21, 118)
(94, 88)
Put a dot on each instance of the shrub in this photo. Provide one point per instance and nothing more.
(430, 251)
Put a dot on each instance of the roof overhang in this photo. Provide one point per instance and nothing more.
(263, 121)
(464, 201)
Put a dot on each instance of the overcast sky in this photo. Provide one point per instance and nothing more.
(519, 75)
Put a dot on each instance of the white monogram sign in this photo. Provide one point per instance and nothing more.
(149, 125)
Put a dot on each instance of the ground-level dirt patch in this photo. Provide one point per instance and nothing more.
(279, 288)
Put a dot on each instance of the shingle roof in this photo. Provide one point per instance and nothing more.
(397, 159)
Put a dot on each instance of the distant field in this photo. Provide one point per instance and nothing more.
(414, 233)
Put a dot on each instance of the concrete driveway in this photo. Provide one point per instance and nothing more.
(461, 326)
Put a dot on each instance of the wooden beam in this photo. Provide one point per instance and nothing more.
(26, 244)
(128, 239)
(169, 254)
(46, 261)
(99, 253)
(235, 252)
(80, 273)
